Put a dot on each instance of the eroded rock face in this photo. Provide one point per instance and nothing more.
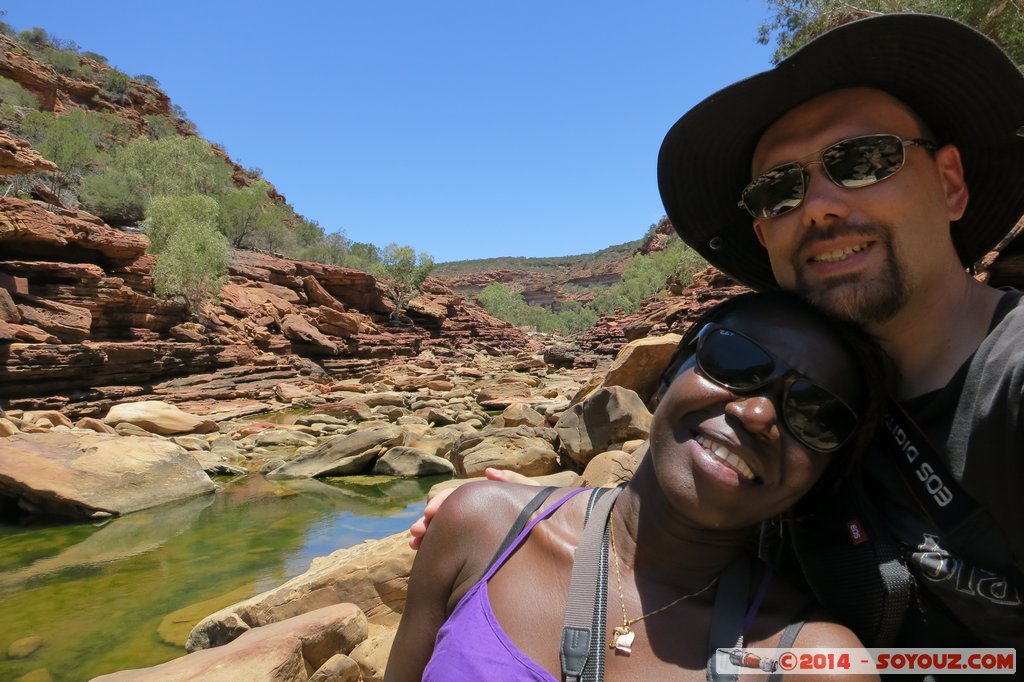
(610, 416)
(80, 325)
(525, 450)
(90, 475)
(17, 157)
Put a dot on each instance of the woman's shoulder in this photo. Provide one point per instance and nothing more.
(492, 506)
(479, 514)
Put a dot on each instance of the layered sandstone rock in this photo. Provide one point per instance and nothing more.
(17, 157)
(80, 325)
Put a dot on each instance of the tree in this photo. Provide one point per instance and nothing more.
(362, 256)
(173, 166)
(250, 218)
(191, 254)
(503, 303)
(193, 265)
(402, 271)
(646, 276)
(795, 22)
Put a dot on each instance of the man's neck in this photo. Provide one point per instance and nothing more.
(936, 332)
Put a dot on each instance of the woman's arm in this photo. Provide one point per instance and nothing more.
(827, 634)
(464, 534)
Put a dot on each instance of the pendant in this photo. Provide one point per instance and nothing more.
(622, 640)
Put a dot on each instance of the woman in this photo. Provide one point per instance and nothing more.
(765, 397)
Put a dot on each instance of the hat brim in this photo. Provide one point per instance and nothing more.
(957, 80)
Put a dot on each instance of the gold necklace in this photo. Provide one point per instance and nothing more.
(623, 635)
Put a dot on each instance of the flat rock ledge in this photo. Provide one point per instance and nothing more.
(78, 475)
(299, 648)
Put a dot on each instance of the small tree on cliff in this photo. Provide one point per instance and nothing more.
(250, 218)
(401, 271)
(191, 254)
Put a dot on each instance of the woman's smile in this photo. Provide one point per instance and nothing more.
(727, 457)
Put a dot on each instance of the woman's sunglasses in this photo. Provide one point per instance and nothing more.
(851, 163)
(815, 416)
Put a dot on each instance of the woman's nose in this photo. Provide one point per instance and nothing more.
(757, 414)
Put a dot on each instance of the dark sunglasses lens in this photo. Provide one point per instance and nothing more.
(734, 361)
(863, 161)
(819, 419)
(778, 191)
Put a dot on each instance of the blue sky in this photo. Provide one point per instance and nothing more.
(466, 129)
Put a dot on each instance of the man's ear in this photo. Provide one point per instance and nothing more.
(951, 173)
(759, 233)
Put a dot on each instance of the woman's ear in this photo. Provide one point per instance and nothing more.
(951, 173)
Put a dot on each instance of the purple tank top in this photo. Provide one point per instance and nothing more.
(471, 645)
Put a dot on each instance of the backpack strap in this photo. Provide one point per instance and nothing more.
(728, 615)
(852, 564)
(582, 647)
(786, 642)
(520, 522)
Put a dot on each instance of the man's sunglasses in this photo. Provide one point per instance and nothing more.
(851, 163)
(815, 416)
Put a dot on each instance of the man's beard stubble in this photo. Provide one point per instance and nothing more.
(852, 297)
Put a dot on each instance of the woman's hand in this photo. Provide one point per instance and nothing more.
(419, 528)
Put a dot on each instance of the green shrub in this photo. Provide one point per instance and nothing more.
(63, 62)
(146, 79)
(58, 139)
(158, 125)
(10, 116)
(169, 215)
(34, 37)
(112, 196)
(645, 276)
(11, 92)
(251, 219)
(332, 249)
(96, 57)
(182, 117)
(115, 86)
(174, 165)
(401, 272)
(362, 256)
(191, 255)
(510, 306)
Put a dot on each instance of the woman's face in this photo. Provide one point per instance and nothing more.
(728, 460)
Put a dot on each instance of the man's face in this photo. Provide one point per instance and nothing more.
(861, 253)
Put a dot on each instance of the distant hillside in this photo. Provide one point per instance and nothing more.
(612, 254)
(554, 282)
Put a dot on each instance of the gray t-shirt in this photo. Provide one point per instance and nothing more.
(970, 588)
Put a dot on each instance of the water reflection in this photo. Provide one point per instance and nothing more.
(96, 594)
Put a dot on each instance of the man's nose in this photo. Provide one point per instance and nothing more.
(824, 200)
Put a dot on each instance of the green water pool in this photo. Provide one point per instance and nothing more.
(88, 599)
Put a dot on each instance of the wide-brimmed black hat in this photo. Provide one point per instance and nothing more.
(964, 87)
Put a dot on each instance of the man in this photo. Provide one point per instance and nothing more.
(875, 166)
(869, 171)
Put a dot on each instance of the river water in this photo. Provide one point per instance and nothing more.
(97, 598)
